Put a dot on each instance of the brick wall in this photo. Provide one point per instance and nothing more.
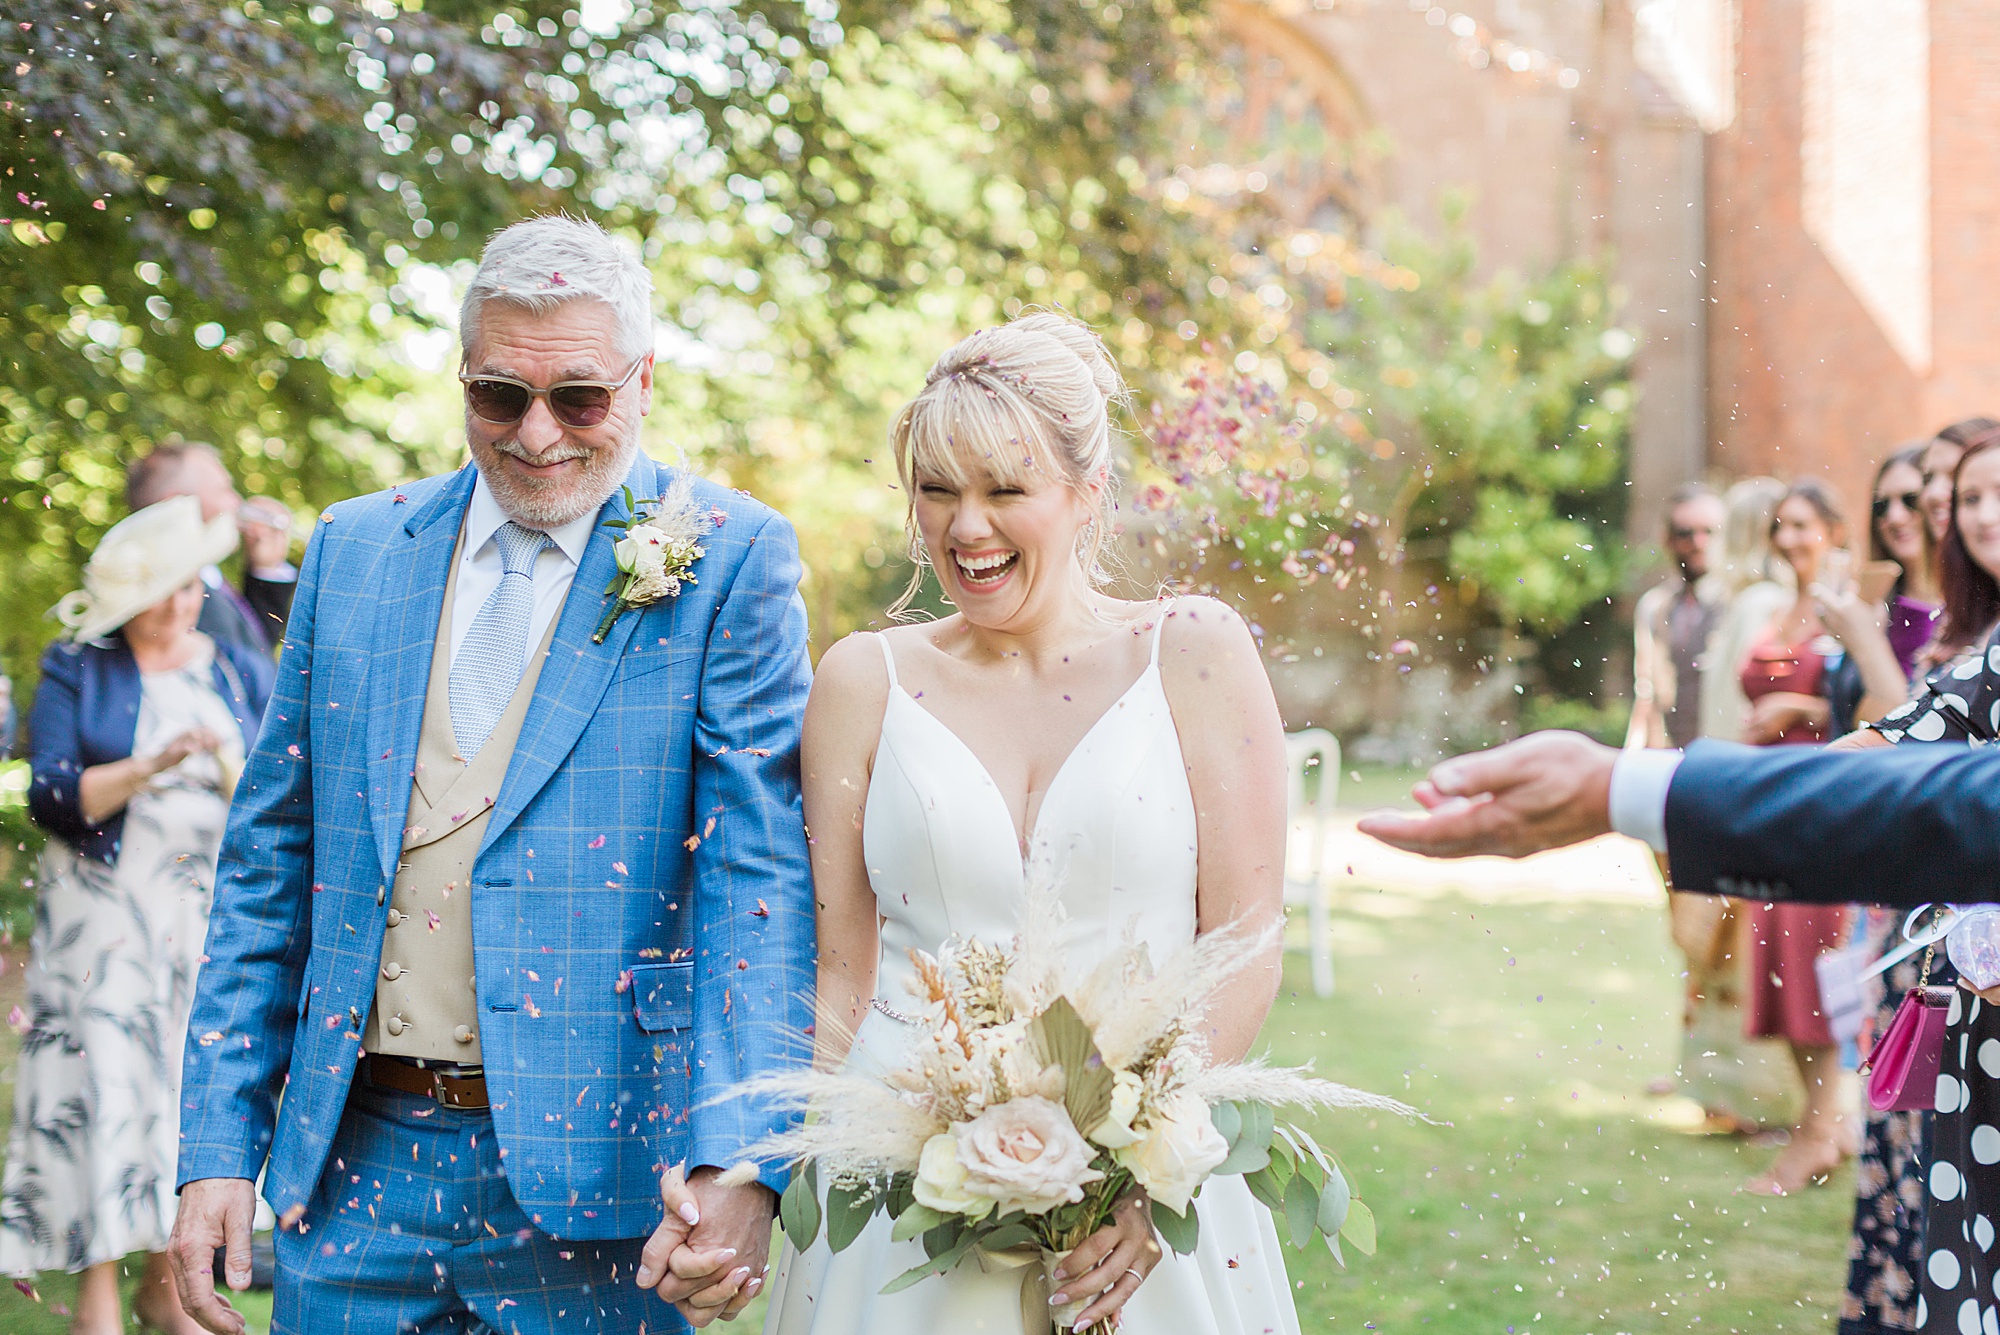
(1822, 354)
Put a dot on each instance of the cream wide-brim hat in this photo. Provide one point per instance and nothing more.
(141, 560)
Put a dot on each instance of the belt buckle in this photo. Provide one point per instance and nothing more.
(438, 1090)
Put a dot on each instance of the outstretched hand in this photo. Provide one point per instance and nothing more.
(1547, 790)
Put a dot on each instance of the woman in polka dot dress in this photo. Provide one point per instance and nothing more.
(1960, 1280)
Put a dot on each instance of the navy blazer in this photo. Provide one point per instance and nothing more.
(1912, 824)
(87, 713)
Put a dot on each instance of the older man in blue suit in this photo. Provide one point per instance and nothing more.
(515, 887)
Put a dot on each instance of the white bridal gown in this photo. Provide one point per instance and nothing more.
(1118, 824)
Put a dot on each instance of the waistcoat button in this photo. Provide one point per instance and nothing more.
(392, 971)
(395, 1026)
(463, 1033)
(396, 917)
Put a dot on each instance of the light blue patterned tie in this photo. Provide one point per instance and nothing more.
(490, 658)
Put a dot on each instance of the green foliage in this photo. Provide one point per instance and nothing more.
(1182, 1232)
(1503, 409)
(1606, 722)
(798, 1208)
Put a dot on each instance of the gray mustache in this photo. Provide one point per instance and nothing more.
(555, 454)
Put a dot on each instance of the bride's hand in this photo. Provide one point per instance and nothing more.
(1112, 1262)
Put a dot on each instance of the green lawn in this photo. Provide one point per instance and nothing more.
(1559, 1198)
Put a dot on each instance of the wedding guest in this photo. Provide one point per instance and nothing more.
(1958, 703)
(1886, 1243)
(1898, 532)
(1749, 586)
(1671, 626)
(139, 730)
(1940, 462)
(1783, 674)
(253, 617)
(1741, 1084)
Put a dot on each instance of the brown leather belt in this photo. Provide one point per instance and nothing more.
(406, 1077)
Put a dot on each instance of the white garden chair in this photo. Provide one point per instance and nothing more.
(1312, 755)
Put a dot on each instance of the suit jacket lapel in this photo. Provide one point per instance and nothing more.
(414, 570)
(577, 671)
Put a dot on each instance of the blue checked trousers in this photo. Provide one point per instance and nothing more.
(413, 1230)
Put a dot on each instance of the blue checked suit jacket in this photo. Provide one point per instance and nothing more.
(641, 904)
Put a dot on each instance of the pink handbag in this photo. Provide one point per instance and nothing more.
(1902, 1068)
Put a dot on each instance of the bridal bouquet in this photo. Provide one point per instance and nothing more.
(1029, 1099)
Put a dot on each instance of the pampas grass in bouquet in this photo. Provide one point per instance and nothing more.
(1032, 1096)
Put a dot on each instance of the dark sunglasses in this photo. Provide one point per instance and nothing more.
(503, 400)
(1907, 499)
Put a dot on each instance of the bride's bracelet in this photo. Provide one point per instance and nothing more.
(878, 1004)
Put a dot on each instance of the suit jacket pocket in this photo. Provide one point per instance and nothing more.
(663, 996)
(653, 658)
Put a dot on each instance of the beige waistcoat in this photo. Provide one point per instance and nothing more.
(425, 999)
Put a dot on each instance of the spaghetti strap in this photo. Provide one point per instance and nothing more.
(1159, 627)
(889, 659)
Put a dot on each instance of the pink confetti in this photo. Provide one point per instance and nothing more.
(598, 842)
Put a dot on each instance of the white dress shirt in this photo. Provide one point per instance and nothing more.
(1639, 783)
(479, 567)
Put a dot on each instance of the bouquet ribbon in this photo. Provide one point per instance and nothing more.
(1034, 1262)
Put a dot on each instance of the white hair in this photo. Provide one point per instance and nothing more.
(541, 262)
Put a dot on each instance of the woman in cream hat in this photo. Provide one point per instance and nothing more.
(138, 731)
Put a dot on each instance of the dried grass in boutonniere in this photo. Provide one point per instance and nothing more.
(657, 554)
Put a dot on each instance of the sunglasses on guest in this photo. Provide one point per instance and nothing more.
(1907, 499)
(503, 400)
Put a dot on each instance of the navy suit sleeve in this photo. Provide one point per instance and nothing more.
(55, 730)
(1908, 825)
(753, 930)
(247, 994)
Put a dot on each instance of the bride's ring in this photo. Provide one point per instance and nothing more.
(1135, 1274)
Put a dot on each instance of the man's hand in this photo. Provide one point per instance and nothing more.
(215, 1212)
(1547, 790)
(708, 1256)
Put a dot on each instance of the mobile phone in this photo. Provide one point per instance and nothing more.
(1875, 579)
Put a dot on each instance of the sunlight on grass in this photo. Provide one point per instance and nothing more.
(1556, 1197)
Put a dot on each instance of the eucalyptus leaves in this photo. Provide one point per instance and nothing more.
(1029, 1098)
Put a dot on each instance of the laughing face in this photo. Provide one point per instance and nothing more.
(1005, 551)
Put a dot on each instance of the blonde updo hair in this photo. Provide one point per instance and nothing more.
(1030, 399)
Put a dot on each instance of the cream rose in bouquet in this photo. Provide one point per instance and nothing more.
(1032, 1096)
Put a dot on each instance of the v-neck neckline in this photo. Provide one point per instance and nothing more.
(1024, 841)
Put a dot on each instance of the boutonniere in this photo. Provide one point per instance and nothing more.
(657, 554)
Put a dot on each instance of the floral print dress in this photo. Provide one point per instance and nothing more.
(96, 1130)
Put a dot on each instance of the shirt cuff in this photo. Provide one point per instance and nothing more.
(282, 573)
(1639, 783)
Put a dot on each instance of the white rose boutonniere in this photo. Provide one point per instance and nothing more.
(657, 554)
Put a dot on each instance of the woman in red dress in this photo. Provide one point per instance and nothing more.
(1784, 679)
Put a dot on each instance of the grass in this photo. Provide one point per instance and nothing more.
(1560, 1198)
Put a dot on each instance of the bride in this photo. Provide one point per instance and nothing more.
(1134, 747)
